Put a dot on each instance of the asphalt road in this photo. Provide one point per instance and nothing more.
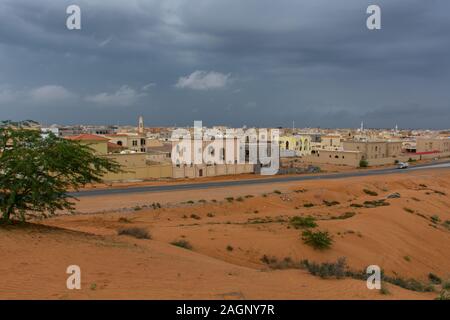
(285, 178)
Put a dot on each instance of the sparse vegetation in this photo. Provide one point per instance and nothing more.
(319, 240)
(356, 205)
(434, 278)
(308, 205)
(138, 233)
(230, 248)
(384, 290)
(277, 191)
(327, 269)
(210, 214)
(330, 203)
(240, 199)
(435, 219)
(182, 244)
(376, 203)
(303, 222)
(407, 258)
(124, 220)
(370, 192)
(229, 199)
(344, 216)
(196, 217)
(408, 210)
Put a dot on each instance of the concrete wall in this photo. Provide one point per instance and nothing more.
(198, 171)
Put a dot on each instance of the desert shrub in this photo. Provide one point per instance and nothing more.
(137, 208)
(196, 217)
(274, 263)
(370, 192)
(435, 219)
(384, 290)
(330, 203)
(443, 295)
(363, 163)
(407, 258)
(156, 205)
(408, 210)
(249, 196)
(446, 285)
(277, 191)
(434, 278)
(303, 222)
(344, 216)
(409, 284)
(124, 220)
(308, 205)
(202, 201)
(356, 205)
(230, 248)
(326, 270)
(190, 202)
(240, 199)
(210, 214)
(376, 203)
(319, 240)
(229, 199)
(138, 233)
(182, 244)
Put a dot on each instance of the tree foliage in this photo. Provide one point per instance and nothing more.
(36, 172)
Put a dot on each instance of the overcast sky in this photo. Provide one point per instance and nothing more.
(230, 62)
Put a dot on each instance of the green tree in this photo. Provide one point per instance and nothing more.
(36, 172)
(363, 163)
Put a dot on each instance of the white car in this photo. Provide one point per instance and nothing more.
(402, 165)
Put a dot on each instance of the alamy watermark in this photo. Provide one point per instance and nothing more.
(212, 146)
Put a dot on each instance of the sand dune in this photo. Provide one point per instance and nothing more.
(408, 239)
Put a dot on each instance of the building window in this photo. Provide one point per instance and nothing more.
(134, 143)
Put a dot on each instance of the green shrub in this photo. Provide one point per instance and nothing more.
(303, 222)
(319, 240)
(138, 233)
(363, 163)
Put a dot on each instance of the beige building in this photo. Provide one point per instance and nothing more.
(375, 149)
(295, 145)
(374, 152)
(97, 143)
(432, 144)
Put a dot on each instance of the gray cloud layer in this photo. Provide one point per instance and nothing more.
(254, 62)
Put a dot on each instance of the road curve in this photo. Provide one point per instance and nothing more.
(221, 184)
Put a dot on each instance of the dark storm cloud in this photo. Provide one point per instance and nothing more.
(263, 62)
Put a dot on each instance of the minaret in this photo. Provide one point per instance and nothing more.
(362, 126)
(141, 125)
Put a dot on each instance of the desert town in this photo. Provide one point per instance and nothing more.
(146, 152)
(165, 230)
